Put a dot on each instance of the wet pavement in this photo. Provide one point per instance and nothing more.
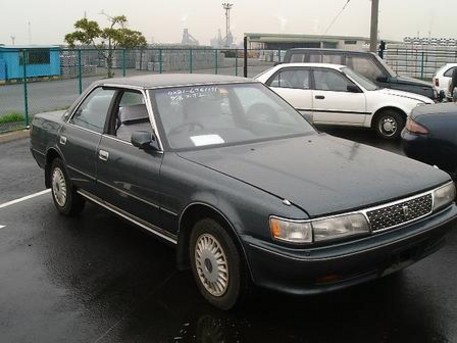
(96, 278)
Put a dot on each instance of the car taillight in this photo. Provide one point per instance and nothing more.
(415, 127)
(437, 82)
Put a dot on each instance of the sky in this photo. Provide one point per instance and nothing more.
(47, 21)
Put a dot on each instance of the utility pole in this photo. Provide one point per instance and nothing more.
(374, 25)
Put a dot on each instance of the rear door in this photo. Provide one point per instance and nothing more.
(294, 85)
(333, 103)
(80, 136)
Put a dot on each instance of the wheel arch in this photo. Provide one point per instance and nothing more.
(383, 109)
(189, 216)
(51, 154)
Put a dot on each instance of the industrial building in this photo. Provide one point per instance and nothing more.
(40, 61)
(274, 41)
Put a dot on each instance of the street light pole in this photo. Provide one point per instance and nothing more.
(374, 25)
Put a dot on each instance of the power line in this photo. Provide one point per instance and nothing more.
(337, 16)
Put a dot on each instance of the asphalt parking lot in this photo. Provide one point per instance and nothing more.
(96, 278)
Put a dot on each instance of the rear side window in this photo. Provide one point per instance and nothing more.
(293, 78)
(297, 58)
(91, 114)
(332, 58)
(315, 57)
(448, 73)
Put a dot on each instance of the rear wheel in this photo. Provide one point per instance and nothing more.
(389, 123)
(66, 200)
(217, 265)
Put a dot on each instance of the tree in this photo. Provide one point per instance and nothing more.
(106, 40)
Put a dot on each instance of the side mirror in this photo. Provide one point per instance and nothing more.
(381, 79)
(353, 89)
(145, 140)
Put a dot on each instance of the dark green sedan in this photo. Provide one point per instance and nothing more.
(244, 187)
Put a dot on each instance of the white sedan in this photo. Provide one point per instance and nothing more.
(442, 78)
(335, 95)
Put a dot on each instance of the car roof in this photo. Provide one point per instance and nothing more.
(313, 65)
(153, 81)
(335, 51)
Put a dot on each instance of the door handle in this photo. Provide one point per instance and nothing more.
(320, 97)
(103, 155)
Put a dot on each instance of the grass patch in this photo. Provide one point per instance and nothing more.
(11, 118)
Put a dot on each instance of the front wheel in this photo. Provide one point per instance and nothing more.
(66, 200)
(388, 124)
(217, 265)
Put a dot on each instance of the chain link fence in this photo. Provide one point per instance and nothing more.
(34, 80)
(41, 80)
(419, 60)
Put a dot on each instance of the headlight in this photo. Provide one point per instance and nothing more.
(292, 231)
(443, 196)
(340, 226)
(295, 231)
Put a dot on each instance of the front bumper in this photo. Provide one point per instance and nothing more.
(323, 269)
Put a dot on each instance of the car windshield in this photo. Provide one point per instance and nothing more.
(360, 79)
(200, 116)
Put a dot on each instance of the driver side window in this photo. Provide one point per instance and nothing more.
(329, 80)
(132, 115)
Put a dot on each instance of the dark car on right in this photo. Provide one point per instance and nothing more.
(366, 63)
(430, 135)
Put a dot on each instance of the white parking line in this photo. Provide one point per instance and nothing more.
(12, 202)
(2, 226)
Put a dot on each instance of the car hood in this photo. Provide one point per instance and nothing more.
(322, 174)
(448, 109)
(407, 95)
(412, 81)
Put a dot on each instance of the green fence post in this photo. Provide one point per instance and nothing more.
(124, 73)
(422, 65)
(190, 60)
(236, 62)
(160, 61)
(80, 72)
(215, 55)
(26, 97)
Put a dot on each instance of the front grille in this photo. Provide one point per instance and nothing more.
(399, 213)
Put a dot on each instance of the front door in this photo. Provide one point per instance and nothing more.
(334, 103)
(128, 177)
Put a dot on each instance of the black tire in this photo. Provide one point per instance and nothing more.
(389, 124)
(211, 246)
(66, 200)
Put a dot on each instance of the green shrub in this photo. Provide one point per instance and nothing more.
(12, 117)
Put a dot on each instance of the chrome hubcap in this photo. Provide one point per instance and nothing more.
(59, 187)
(388, 126)
(212, 266)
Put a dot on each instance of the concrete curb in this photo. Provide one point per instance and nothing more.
(12, 136)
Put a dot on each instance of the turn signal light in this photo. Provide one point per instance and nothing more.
(414, 127)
